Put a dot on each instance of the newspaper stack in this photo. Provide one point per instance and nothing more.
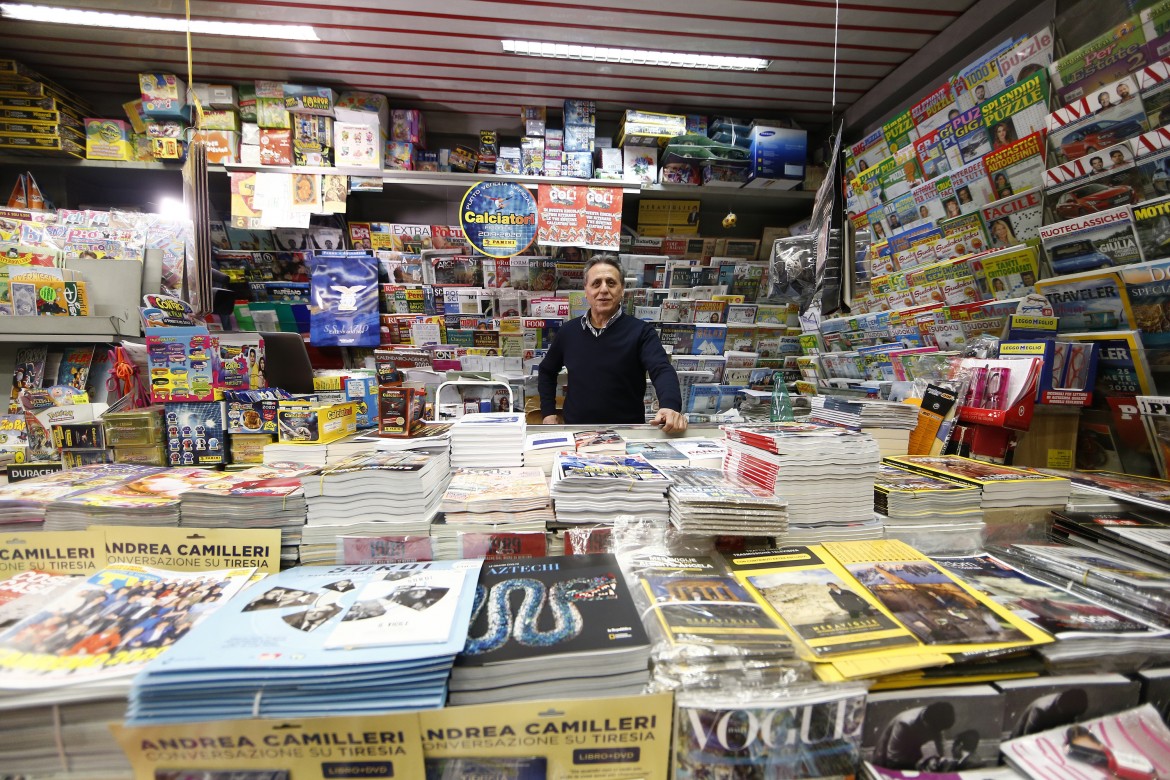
(318, 455)
(888, 422)
(152, 500)
(259, 497)
(317, 641)
(487, 501)
(705, 501)
(48, 739)
(825, 474)
(374, 494)
(597, 488)
(488, 440)
(930, 513)
(23, 504)
(540, 449)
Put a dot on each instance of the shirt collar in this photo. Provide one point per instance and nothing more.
(587, 323)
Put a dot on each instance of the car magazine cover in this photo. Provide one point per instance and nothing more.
(1097, 240)
(1097, 182)
(1151, 220)
(1107, 117)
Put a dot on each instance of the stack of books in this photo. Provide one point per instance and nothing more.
(707, 502)
(928, 512)
(259, 497)
(825, 474)
(1002, 486)
(152, 500)
(488, 440)
(598, 488)
(540, 449)
(486, 501)
(577, 633)
(888, 422)
(371, 495)
(317, 641)
(318, 455)
(23, 504)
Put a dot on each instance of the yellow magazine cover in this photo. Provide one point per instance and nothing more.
(944, 613)
(1011, 273)
(966, 470)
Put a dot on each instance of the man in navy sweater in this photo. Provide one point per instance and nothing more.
(608, 355)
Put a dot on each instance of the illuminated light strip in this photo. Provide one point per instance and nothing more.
(55, 15)
(666, 59)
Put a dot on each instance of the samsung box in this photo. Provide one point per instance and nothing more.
(778, 157)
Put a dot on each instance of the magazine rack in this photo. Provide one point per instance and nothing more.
(452, 398)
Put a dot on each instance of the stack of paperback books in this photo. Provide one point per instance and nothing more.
(1001, 486)
(888, 422)
(540, 449)
(707, 502)
(825, 474)
(23, 504)
(488, 440)
(575, 632)
(317, 641)
(152, 500)
(598, 488)
(930, 513)
(259, 497)
(319, 455)
(373, 494)
(486, 501)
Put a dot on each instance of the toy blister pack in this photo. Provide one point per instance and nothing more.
(195, 434)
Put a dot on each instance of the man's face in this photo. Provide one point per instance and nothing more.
(603, 290)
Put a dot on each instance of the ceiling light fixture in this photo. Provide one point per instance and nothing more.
(667, 59)
(45, 13)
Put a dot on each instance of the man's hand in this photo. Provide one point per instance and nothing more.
(552, 419)
(670, 421)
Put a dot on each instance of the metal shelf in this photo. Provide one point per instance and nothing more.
(63, 329)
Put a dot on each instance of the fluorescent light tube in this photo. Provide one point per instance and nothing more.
(633, 56)
(54, 15)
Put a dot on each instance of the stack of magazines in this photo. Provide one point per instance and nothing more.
(540, 449)
(825, 474)
(697, 453)
(928, 512)
(1091, 635)
(488, 440)
(319, 455)
(372, 494)
(604, 441)
(575, 632)
(706, 502)
(888, 422)
(1002, 486)
(1141, 535)
(598, 488)
(317, 641)
(486, 501)
(1108, 490)
(152, 500)
(259, 497)
(23, 504)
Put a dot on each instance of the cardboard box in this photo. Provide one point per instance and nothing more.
(216, 95)
(141, 456)
(640, 163)
(167, 149)
(222, 146)
(401, 155)
(252, 417)
(135, 427)
(107, 139)
(267, 89)
(357, 145)
(87, 436)
(407, 125)
(275, 146)
(308, 423)
(196, 434)
(779, 154)
(248, 447)
(312, 138)
(400, 410)
(220, 119)
(270, 112)
(163, 95)
(246, 101)
(724, 175)
(679, 174)
(363, 391)
(302, 99)
(138, 120)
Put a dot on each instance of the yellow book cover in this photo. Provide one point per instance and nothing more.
(193, 549)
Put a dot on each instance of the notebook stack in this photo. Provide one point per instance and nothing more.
(825, 474)
(486, 501)
(707, 502)
(595, 489)
(888, 422)
(581, 637)
(317, 455)
(928, 512)
(317, 641)
(1001, 486)
(372, 495)
(23, 504)
(540, 449)
(488, 440)
(152, 500)
(259, 497)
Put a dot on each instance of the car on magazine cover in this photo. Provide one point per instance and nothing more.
(1094, 197)
(1098, 135)
(1077, 256)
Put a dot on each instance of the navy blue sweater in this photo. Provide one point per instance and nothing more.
(607, 373)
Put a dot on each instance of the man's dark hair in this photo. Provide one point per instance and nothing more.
(604, 260)
(940, 714)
